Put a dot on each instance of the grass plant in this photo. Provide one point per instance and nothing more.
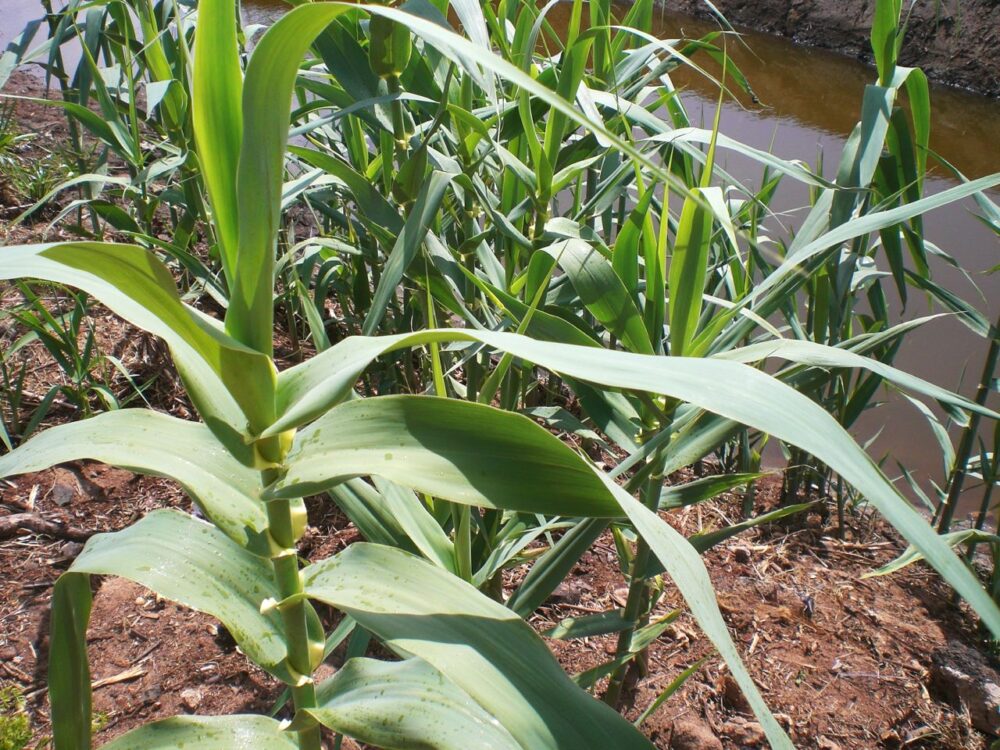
(509, 219)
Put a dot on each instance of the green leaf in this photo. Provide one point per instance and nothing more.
(369, 200)
(681, 495)
(728, 389)
(706, 540)
(147, 442)
(69, 670)
(820, 355)
(463, 452)
(217, 118)
(952, 539)
(407, 244)
(231, 386)
(789, 274)
(192, 563)
(586, 626)
(602, 292)
(237, 732)
(688, 269)
(687, 571)
(418, 524)
(480, 645)
(405, 705)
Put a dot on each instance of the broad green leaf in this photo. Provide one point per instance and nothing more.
(267, 105)
(728, 389)
(462, 452)
(217, 117)
(236, 732)
(147, 442)
(192, 563)
(480, 645)
(230, 385)
(406, 705)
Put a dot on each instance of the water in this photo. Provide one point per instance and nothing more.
(809, 101)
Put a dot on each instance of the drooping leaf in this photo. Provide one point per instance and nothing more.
(406, 705)
(480, 645)
(236, 732)
(192, 563)
(230, 385)
(456, 450)
(729, 389)
(144, 441)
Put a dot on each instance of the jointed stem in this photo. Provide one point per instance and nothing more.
(296, 611)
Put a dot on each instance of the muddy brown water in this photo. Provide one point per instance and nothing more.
(809, 99)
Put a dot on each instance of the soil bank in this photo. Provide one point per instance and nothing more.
(953, 41)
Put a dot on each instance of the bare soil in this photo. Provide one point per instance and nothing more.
(843, 662)
(954, 41)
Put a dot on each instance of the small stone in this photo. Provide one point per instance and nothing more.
(71, 549)
(569, 592)
(191, 698)
(62, 494)
(825, 743)
(693, 734)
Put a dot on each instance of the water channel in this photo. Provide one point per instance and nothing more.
(809, 100)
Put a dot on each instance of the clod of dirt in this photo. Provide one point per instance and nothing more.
(745, 733)
(191, 698)
(693, 734)
(963, 677)
(733, 695)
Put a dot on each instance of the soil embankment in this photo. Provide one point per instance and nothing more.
(953, 41)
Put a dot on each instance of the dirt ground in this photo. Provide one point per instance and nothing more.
(955, 41)
(843, 662)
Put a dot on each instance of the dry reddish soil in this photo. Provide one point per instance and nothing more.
(843, 662)
(954, 41)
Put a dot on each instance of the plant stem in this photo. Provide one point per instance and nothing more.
(638, 592)
(959, 468)
(285, 530)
